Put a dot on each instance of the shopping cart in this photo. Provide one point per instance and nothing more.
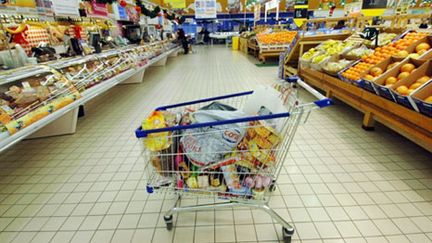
(235, 161)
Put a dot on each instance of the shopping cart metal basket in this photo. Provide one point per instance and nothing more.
(237, 159)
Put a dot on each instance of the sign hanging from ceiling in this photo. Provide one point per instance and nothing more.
(177, 4)
(234, 6)
(257, 12)
(94, 9)
(65, 7)
(205, 9)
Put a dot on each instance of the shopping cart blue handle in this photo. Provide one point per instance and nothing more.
(162, 108)
(139, 133)
(322, 100)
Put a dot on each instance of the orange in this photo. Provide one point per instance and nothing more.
(390, 80)
(407, 67)
(415, 85)
(428, 99)
(376, 71)
(403, 90)
(403, 75)
(423, 79)
(368, 77)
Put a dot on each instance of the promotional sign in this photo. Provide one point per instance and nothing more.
(205, 9)
(271, 5)
(20, 3)
(119, 12)
(177, 4)
(234, 6)
(353, 9)
(94, 9)
(257, 12)
(65, 7)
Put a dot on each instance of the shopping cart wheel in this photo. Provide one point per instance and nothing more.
(272, 187)
(287, 235)
(169, 222)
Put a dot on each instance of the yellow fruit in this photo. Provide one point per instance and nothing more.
(392, 65)
(402, 54)
(407, 67)
(390, 80)
(368, 77)
(422, 46)
(423, 79)
(403, 75)
(376, 71)
(421, 52)
(403, 90)
(410, 91)
(428, 99)
(415, 85)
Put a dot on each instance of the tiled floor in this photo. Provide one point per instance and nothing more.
(340, 184)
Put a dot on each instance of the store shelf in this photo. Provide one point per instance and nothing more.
(7, 140)
(409, 123)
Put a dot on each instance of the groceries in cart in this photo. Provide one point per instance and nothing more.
(228, 158)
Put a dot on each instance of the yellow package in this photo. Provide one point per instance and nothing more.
(155, 141)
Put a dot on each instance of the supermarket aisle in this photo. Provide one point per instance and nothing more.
(341, 184)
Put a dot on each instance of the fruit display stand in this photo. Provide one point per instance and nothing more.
(307, 40)
(272, 44)
(243, 44)
(57, 116)
(253, 47)
(409, 123)
(382, 84)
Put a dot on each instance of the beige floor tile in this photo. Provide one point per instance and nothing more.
(24, 237)
(122, 236)
(225, 233)
(102, 236)
(142, 236)
(327, 230)
(43, 237)
(347, 229)
(245, 233)
(62, 236)
(82, 236)
(205, 234)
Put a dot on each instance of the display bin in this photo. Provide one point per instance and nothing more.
(420, 95)
(406, 100)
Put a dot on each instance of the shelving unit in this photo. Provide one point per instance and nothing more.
(413, 125)
(39, 126)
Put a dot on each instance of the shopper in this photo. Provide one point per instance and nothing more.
(181, 37)
(423, 24)
(340, 25)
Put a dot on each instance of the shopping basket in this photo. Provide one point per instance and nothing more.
(193, 150)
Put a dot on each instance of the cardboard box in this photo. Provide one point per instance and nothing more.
(411, 49)
(420, 95)
(379, 83)
(406, 100)
(368, 84)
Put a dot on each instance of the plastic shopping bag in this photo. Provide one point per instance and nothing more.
(208, 144)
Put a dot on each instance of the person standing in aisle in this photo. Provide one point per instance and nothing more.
(181, 37)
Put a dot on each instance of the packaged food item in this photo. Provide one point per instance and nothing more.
(203, 181)
(192, 182)
(232, 180)
(218, 164)
(155, 141)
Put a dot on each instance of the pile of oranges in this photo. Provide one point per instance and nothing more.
(354, 72)
(382, 53)
(283, 37)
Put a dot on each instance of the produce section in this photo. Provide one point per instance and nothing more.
(391, 83)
